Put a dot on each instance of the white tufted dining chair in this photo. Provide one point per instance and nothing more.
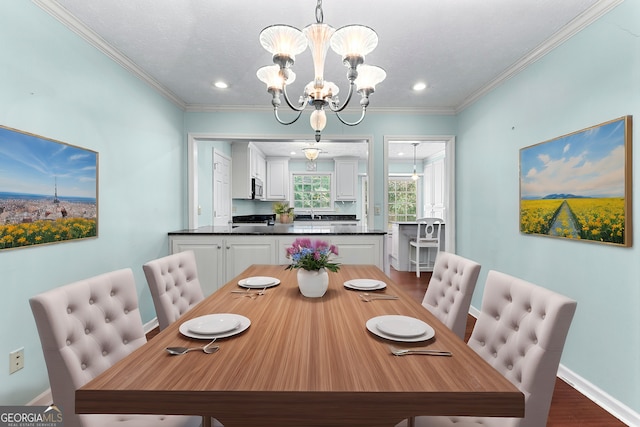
(174, 285)
(450, 290)
(521, 332)
(85, 327)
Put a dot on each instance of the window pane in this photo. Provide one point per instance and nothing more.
(312, 191)
(402, 199)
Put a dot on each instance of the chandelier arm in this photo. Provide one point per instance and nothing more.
(300, 107)
(349, 95)
(364, 111)
(275, 112)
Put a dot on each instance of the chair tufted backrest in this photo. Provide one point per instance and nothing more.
(84, 328)
(450, 290)
(174, 285)
(521, 332)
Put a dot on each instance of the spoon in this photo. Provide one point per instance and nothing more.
(176, 351)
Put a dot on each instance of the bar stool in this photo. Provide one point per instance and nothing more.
(427, 238)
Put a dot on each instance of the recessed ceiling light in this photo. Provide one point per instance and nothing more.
(401, 154)
(220, 84)
(419, 86)
(293, 153)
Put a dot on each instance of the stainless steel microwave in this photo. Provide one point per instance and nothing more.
(257, 188)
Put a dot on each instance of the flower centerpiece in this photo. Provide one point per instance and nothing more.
(312, 259)
(312, 255)
(284, 212)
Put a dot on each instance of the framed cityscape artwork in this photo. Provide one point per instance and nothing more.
(578, 186)
(48, 190)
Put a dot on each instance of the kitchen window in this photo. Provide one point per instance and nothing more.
(403, 199)
(312, 191)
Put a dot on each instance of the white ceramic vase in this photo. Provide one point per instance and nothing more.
(314, 283)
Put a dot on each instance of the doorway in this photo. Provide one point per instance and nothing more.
(448, 184)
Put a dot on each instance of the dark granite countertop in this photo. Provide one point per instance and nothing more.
(278, 229)
(327, 217)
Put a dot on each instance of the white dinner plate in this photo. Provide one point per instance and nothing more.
(242, 324)
(400, 328)
(258, 282)
(214, 325)
(365, 284)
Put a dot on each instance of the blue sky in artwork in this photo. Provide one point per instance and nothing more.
(31, 165)
(589, 163)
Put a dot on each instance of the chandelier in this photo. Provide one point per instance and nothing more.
(351, 42)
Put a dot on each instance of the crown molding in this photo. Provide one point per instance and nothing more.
(579, 23)
(69, 21)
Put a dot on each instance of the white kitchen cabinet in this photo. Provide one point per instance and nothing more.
(209, 254)
(277, 178)
(221, 258)
(360, 249)
(247, 162)
(258, 164)
(434, 189)
(346, 171)
(243, 251)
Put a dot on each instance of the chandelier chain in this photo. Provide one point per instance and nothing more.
(319, 13)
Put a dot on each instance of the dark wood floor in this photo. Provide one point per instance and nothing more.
(568, 407)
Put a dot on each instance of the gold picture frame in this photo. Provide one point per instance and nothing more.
(578, 186)
(48, 190)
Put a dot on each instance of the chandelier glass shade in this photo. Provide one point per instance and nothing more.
(351, 42)
(311, 153)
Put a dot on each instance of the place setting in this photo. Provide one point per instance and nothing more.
(215, 326)
(400, 328)
(255, 286)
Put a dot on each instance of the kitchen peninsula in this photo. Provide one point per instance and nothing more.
(224, 252)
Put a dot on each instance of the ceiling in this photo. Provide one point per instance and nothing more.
(460, 48)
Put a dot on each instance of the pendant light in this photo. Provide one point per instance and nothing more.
(414, 176)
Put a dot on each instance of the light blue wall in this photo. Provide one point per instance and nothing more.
(592, 78)
(54, 84)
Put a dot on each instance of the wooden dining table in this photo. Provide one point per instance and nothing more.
(304, 362)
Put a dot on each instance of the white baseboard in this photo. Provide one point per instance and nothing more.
(150, 325)
(593, 393)
(599, 397)
(44, 399)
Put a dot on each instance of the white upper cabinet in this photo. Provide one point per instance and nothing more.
(346, 170)
(258, 164)
(277, 178)
(247, 162)
(434, 189)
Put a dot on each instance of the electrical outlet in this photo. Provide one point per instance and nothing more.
(16, 360)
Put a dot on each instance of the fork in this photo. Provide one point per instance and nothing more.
(424, 351)
(369, 298)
